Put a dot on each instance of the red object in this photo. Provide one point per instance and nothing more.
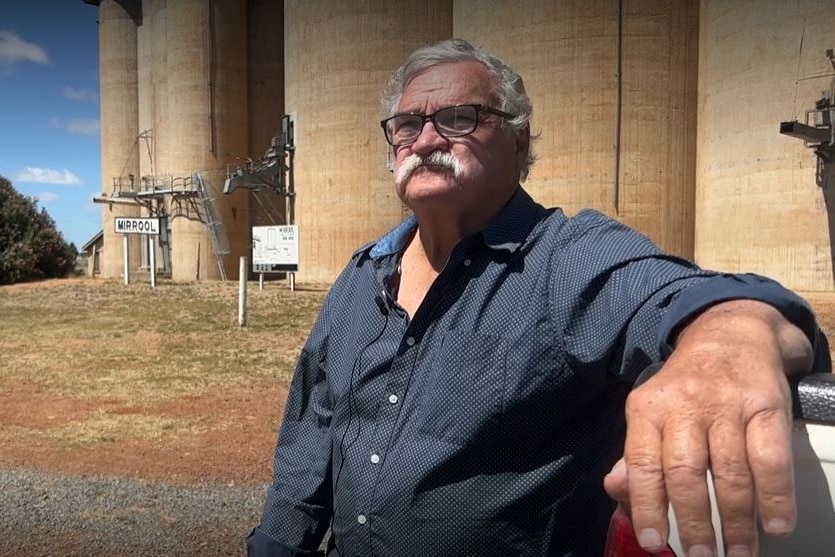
(622, 542)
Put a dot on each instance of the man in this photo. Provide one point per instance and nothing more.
(464, 388)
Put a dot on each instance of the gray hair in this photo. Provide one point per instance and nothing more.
(508, 89)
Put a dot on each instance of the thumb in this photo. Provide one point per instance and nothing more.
(616, 483)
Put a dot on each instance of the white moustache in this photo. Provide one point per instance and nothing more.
(436, 159)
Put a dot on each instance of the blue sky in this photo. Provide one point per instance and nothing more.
(49, 109)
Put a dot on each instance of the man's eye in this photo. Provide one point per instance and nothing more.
(407, 126)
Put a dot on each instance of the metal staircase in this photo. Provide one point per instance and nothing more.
(220, 241)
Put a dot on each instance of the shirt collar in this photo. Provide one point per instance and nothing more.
(514, 222)
(507, 231)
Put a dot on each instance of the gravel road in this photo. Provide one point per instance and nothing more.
(45, 514)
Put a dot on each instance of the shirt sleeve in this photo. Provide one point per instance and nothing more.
(725, 287)
(299, 502)
(628, 299)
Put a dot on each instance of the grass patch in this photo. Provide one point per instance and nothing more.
(109, 428)
(103, 339)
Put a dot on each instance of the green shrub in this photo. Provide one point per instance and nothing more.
(31, 248)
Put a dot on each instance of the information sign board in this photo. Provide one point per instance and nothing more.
(275, 249)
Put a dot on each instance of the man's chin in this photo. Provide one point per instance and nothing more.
(419, 190)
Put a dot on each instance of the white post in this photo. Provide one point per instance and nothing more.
(260, 281)
(152, 258)
(292, 282)
(125, 257)
(242, 293)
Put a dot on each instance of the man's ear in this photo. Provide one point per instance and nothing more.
(523, 146)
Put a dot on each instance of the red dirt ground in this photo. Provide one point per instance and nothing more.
(239, 451)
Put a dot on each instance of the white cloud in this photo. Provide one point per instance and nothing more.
(78, 126)
(46, 196)
(47, 176)
(79, 94)
(13, 49)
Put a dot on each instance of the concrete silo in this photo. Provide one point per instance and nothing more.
(338, 55)
(119, 125)
(613, 84)
(200, 126)
(760, 206)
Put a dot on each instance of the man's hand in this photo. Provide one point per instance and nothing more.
(720, 402)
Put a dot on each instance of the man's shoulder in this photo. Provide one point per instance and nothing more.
(582, 222)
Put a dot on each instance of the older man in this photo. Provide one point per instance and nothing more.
(464, 389)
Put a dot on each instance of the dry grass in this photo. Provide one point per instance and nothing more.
(107, 428)
(100, 340)
(105, 339)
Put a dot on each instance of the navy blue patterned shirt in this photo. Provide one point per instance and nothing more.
(484, 425)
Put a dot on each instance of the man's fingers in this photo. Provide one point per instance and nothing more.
(734, 486)
(647, 493)
(768, 442)
(685, 457)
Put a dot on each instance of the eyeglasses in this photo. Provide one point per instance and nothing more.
(450, 121)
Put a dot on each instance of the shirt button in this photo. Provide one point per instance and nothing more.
(467, 263)
(393, 399)
(410, 341)
(375, 459)
(362, 519)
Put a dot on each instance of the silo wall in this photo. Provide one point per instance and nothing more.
(758, 206)
(265, 100)
(338, 55)
(201, 126)
(613, 85)
(119, 125)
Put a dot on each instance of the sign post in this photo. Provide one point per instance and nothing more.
(126, 270)
(242, 292)
(152, 260)
(148, 226)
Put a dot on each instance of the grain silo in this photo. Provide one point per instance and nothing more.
(205, 129)
(613, 85)
(760, 195)
(174, 98)
(338, 55)
(194, 86)
(119, 125)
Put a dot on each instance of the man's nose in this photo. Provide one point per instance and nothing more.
(429, 139)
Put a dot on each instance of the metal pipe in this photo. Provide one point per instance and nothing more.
(618, 107)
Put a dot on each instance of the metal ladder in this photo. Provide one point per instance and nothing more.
(220, 242)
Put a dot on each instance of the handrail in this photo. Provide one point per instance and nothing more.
(814, 398)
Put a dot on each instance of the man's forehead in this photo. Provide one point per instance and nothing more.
(446, 84)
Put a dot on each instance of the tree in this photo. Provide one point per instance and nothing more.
(31, 248)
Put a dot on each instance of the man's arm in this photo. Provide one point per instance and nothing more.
(299, 502)
(721, 401)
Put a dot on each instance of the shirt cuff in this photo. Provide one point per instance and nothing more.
(723, 288)
(259, 544)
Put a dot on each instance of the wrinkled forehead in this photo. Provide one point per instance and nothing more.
(446, 84)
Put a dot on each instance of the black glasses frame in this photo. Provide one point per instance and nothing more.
(479, 109)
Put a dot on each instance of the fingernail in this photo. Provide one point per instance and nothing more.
(649, 538)
(700, 550)
(738, 551)
(778, 526)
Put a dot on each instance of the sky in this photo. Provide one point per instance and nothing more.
(50, 146)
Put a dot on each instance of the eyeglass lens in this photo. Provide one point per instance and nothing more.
(450, 122)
